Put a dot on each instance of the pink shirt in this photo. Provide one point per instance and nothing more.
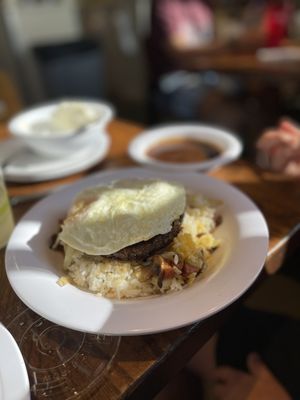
(191, 21)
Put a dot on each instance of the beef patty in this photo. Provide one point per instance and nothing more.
(145, 249)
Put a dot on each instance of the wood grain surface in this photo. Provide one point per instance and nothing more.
(144, 364)
(243, 63)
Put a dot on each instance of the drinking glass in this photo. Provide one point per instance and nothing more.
(6, 216)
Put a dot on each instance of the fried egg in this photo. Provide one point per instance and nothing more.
(103, 220)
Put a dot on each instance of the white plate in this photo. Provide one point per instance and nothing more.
(14, 383)
(33, 269)
(27, 166)
(229, 145)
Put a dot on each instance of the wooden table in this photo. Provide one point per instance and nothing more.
(243, 63)
(144, 364)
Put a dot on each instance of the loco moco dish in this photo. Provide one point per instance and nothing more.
(135, 238)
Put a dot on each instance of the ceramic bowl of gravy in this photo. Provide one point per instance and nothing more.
(192, 147)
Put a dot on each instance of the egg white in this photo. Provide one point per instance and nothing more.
(105, 219)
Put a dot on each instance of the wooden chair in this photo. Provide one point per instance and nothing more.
(10, 98)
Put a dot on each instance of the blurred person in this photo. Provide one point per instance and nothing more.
(183, 29)
(179, 27)
(277, 19)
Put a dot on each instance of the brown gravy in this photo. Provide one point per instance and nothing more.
(183, 150)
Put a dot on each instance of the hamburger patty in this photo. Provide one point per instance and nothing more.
(143, 250)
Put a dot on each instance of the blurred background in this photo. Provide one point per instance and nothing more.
(135, 55)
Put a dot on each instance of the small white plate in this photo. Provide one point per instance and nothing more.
(27, 166)
(229, 145)
(33, 269)
(14, 383)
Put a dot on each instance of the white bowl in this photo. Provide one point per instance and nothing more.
(229, 145)
(57, 145)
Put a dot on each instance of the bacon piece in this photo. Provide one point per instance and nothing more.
(166, 270)
(188, 269)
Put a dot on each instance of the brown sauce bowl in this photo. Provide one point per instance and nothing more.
(183, 147)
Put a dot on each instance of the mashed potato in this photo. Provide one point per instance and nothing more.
(67, 117)
(171, 270)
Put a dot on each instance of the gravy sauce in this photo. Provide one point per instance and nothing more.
(183, 150)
